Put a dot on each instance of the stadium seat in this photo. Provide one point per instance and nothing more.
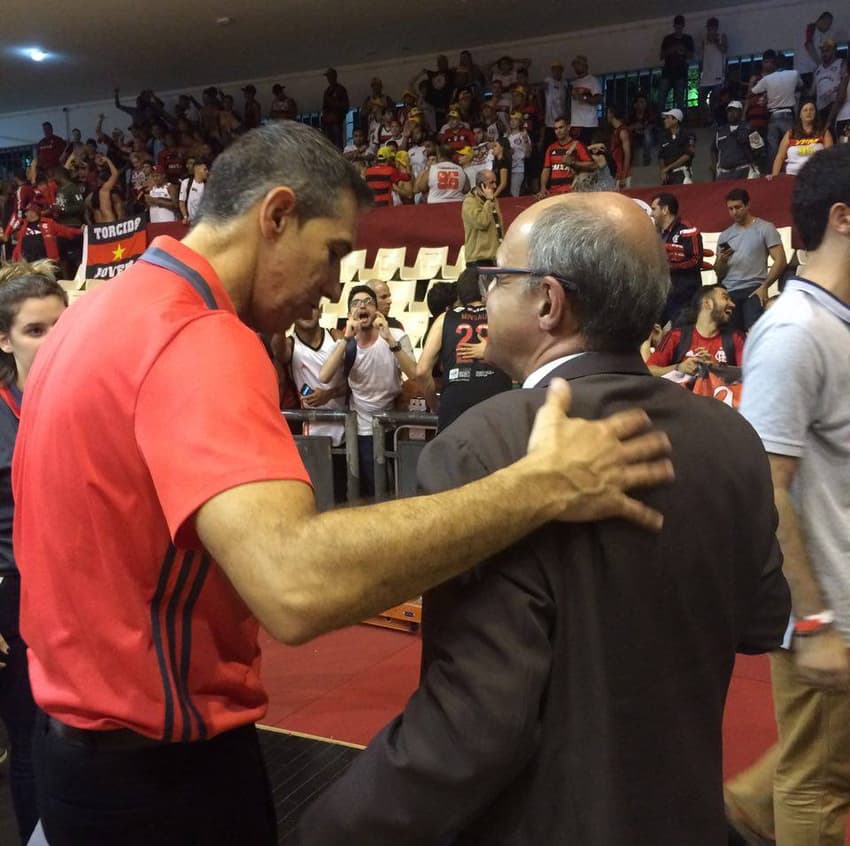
(429, 262)
(452, 271)
(415, 326)
(351, 265)
(403, 292)
(388, 262)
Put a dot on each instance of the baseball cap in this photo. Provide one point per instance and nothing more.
(249, 89)
(676, 113)
(454, 113)
(465, 151)
(402, 158)
(736, 104)
(516, 114)
(384, 153)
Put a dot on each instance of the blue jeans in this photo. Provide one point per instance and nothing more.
(679, 86)
(779, 124)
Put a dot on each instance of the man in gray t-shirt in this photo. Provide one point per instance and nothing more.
(797, 397)
(742, 253)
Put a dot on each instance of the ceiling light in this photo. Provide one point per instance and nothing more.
(37, 55)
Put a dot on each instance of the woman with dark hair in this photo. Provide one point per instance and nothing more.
(30, 304)
(802, 141)
(457, 341)
(502, 156)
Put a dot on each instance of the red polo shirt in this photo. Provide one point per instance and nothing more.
(144, 403)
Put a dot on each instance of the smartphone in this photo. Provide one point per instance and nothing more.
(306, 390)
(725, 247)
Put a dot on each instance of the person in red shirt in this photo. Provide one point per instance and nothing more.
(23, 197)
(456, 135)
(154, 539)
(710, 341)
(562, 161)
(385, 179)
(37, 236)
(50, 148)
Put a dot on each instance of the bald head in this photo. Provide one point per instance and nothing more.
(384, 295)
(606, 254)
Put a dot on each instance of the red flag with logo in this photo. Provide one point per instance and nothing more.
(113, 247)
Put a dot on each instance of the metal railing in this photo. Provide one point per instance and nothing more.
(397, 421)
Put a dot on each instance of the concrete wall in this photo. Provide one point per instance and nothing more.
(750, 28)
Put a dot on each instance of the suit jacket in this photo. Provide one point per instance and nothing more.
(572, 688)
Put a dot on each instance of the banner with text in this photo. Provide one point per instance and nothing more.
(113, 247)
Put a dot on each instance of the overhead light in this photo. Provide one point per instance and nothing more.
(37, 55)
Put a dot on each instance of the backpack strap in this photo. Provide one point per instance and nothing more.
(349, 357)
(687, 330)
(728, 339)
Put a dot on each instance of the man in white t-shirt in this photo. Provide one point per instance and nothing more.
(372, 357)
(807, 55)
(586, 97)
(444, 180)
(555, 97)
(780, 87)
(828, 77)
(192, 191)
(713, 75)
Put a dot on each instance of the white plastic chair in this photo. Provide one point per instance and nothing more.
(388, 262)
(429, 263)
(403, 293)
(453, 271)
(351, 265)
(415, 325)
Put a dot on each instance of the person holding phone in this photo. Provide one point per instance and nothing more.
(483, 226)
(743, 250)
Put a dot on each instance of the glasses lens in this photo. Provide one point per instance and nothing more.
(367, 301)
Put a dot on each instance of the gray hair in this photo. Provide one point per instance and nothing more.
(282, 153)
(480, 177)
(619, 291)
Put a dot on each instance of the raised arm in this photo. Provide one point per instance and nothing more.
(428, 361)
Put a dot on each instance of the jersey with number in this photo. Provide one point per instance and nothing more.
(305, 365)
(561, 174)
(446, 182)
(467, 380)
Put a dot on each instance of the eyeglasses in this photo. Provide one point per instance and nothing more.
(366, 301)
(489, 278)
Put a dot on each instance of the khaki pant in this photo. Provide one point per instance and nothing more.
(799, 791)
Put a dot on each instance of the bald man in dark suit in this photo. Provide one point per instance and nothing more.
(572, 688)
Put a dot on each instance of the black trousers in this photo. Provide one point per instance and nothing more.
(17, 709)
(208, 793)
(748, 309)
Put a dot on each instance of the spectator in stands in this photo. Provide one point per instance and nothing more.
(106, 203)
(373, 359)
(675, 151)
(384, 300)
(795, 395)
(500, 97)
(563, 160)
(731, 148)
(468, 74)
(807, 57)
(677, 50)
(283, 107)
(334, 108)
(455, 134)
(483, 226)
(161, 198)
(192, 191)
(229, 121)
(555, 100)
(743, 250)
(51, 147)
(172, 159)
(209, 113)
(457, 341)
(253, 111)
(38, 236)
(586, 92)
(30, 304)
(620, 146)
(504, 70)
(713, 75)
(359, 152)
(384, 178)
(377, 99)
(641, 123)
(705, 337)
(780, 88)
(521, 146)
(841, 119)
(418, 150)
(70, 210)
(439, 87)
(501, 165)
(577, 635)
(23, 196)
(828, 77)
(444, 181)
(683, 245)
(801, 141)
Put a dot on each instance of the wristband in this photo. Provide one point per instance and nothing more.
(395, 348)
(814, 624)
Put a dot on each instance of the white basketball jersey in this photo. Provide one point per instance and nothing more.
(446, 181)
(305, 366)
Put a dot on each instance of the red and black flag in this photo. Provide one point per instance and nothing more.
(113, 247)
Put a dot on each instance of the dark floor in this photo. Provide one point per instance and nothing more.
(299, 768)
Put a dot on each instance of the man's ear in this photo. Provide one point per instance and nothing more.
(277, 211)
(554, 306)
(839, 218)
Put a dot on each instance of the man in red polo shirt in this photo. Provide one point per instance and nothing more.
(50, 148)
(163, 513)
(563, 160)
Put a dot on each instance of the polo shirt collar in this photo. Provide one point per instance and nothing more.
(584, 364)
(824, 298)
(194, 262)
